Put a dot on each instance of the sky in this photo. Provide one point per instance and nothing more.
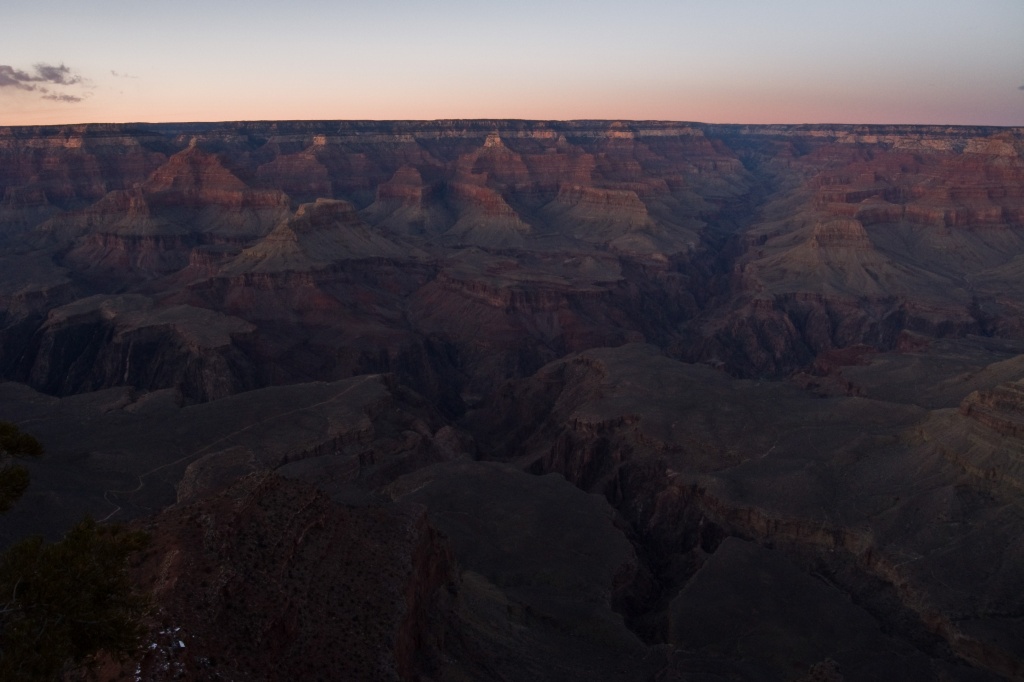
(716, 61)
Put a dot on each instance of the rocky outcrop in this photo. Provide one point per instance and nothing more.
(747, 598)
(132, 453)
(598, 215)
(409, 204)
(196, 178)
(100, 342)
(543, 567)
(1000, 409)
(271, 579)
(318, 236)
(299, 175)
(686, 477)
(74, 165)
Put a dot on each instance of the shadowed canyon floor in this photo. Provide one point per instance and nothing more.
(514, 400)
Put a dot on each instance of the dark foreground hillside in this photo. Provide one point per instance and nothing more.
(513, 400)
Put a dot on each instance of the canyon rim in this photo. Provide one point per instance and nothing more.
(520, 400)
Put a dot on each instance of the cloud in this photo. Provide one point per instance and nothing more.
(1021, 87)
(58, 75)
(62, 98)
(121, 74)
(11, 77)
(42, 75)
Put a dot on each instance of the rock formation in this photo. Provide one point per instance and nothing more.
(520, 399)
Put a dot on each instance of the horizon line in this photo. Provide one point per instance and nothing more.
(609, 121)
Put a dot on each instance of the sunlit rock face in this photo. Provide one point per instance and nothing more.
(543, 400)
(756, 248)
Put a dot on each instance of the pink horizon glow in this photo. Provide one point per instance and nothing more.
(794, 61)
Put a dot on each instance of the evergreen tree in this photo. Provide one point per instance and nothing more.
(62, 603)
(14, 444)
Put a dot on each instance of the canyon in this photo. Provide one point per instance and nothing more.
(519, 400)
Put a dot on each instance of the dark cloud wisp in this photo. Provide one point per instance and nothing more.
(11, 77)
(62, 98)
(59, 75)
(41, 80)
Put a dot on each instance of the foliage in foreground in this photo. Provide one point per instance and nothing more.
(64, 602)
(13, 477)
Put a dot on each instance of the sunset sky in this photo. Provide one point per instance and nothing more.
(742, 61)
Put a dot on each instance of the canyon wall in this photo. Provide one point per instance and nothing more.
(622, 400)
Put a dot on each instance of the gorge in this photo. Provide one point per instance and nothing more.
(520, 400)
